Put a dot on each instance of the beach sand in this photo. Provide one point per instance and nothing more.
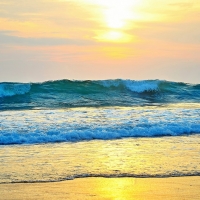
(106, 188)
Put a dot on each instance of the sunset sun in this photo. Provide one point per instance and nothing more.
(117, 17)
(118, 13)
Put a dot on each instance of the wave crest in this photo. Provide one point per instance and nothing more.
(12, 89)
(92, 93)
(132, 85)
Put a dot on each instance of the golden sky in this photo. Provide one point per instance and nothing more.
(100, 39)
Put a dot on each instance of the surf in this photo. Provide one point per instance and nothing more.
(86, 124)
(95, 93)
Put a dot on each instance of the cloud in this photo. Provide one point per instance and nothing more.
(182, 4)
(7, 39)
(184, 31)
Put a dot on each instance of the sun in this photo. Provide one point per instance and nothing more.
(117, 17)
(114, 18)
(118, 14)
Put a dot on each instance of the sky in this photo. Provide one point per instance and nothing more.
(44, 40)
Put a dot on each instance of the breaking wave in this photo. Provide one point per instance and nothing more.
(68, 93)
(12, 89)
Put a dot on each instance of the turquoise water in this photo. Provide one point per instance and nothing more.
(70, 94)
(64, 129)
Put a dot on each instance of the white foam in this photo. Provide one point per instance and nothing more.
(92, 123)
(79, 135)
(14, 89)
(134, 86)
(141, 86)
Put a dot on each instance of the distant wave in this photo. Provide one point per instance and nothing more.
(119, 92)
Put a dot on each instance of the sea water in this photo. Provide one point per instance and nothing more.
(60, 130)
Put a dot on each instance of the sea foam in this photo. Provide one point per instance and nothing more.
(132, 85)
(78, 124)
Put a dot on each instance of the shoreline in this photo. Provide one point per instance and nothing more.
(106, 188)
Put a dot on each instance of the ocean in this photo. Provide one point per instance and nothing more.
(66, 129)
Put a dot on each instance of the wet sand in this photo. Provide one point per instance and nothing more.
(106, 189)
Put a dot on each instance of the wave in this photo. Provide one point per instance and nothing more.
(12, 89)
(68, 93)
(134, 86)
(55, 136)
(72, 125)
(116, 175)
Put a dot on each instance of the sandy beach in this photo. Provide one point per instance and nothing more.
(99, 100)
(106, 188)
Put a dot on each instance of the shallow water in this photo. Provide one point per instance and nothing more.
(131, 157)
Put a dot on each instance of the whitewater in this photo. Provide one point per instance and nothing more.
(66, 129)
